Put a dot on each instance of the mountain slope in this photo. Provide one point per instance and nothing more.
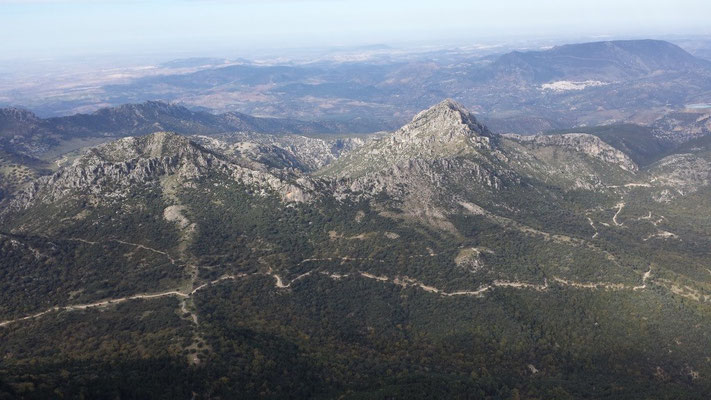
(638, 142)
(17, 170)
(447, 132)
(439, 261)
(283, 151)
(110, 174)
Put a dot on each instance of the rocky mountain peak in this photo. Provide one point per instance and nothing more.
(155, 145)
(446, 130)
(447, 121)
(15, 113)
(15, 120)
(443, 107)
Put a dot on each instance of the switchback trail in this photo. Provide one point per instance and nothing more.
(620, 206)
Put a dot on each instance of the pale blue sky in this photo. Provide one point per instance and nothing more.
(35, 28)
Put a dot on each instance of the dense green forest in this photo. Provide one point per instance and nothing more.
(524, 271)
(346, 337)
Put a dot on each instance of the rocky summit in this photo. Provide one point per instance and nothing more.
(444, 130)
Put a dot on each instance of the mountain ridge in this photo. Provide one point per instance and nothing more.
(23, 132)
(111, 170)
(605, 60)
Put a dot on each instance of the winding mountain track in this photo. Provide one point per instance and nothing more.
(592, 224)
(619, 206)
(82, 241)
(114, 301)
(645, 278)
(140, 246)
(98, 304)
(403, 281)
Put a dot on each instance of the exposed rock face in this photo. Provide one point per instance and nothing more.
(157, 145)
(584, 143)
(114, 168)
(15, 118)
(683, 172)
(429, 167)
(445, 130)
(444, 156)
(446, 122)
(285, 151)
(422, 178)
(23, 132)
(447, 144)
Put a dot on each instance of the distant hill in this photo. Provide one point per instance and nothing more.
(605, 61)
(23, 132)
(193, 62)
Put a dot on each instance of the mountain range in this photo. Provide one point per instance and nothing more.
(440, 260)
(22, 131)
(524, 91)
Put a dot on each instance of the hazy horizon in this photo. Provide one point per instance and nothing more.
(49, 29)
